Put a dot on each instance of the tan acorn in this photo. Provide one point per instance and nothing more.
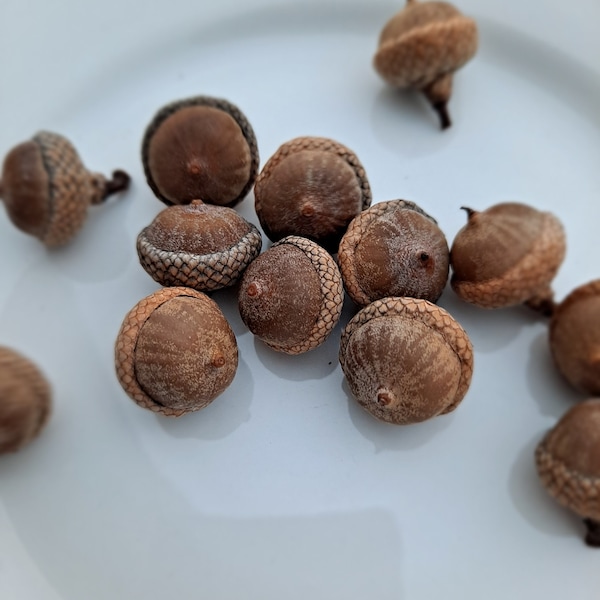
(200, 148)
(202, 246)
(47, 190)
(568, 464)
(575, 338)
(175, 352)
(291, 296)
(406, 360)
(508, 255)
(311, 187)
(393, 249)
(422, 46)
(25, 400)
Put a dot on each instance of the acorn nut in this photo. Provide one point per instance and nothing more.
(311, 187)
(508, 255)
(575, 338)
(406, 360)
(568, 464)
(422, 46)
(291, 296)
(47, 190)
(394, 249)
(175, 352)
(200, 148)
(201, 246)
(25, 400)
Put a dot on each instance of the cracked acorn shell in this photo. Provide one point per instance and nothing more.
(394, 249)
(47, 190)
(507, 255)
(200, 148)
(25, 400)
(422, 46)
(201, 246)
(568, 464)
(575, 338)
(175, 352)
(311, 187)
(406, 360)
(291, 296)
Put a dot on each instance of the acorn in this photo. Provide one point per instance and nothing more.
(47, 190)
(422, 46)
(291, 296)
(568, 464)
(406, 360)
(201, 246)
(175, 352)
(508, 255)
(311, 187)
(200, 148)
(25, 400)
(394, 249)
(575, 338)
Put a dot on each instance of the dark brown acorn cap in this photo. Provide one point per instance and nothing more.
(394, 249)
(175, 352)
(311, 187)
(200, 148)
(201, 246)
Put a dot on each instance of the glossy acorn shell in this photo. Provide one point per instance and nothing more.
(291, 296)
(506, 255)
(25, 400)
(311, 187)
(406, 360)
(201, 246)
(175, 352)
(575, 338)
(200, 148)
(394, 249)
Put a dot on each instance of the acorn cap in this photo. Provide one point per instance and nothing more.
(200, 148)
(575, 338)
(291, 296)
(406, 360)
(506, 255)
(568, 461)
(175, 352)
(25, 400)
(201, 246)
(311, 187)
(47, 190)
(393, 249)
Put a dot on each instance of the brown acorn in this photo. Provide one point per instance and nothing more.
(201, 246)
(311, 187)
(406, 360)
(575, 338)
(291, 296)
(508, 255)
(175, 352)
(394, 249)
(422, 46)
(568, 464)
(47, 190)
(200, 148)
(25, 400)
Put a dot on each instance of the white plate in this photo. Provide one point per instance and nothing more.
(283, 488)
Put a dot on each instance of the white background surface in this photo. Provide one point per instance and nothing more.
(283, 488)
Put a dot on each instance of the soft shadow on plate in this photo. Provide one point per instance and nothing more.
(222, 417)
(386, 436)
(546, 385)
(532, 501)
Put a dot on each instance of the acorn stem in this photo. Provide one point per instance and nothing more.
(592, 537)
(470, 212)
(120, 181)
(441, 109)
(543, 302)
